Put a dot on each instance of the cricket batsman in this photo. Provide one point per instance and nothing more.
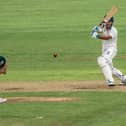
(3, 70)
(109, 35)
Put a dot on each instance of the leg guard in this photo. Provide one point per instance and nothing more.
(102, 62)
(117, 73)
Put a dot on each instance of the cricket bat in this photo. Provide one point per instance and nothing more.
(110, 14)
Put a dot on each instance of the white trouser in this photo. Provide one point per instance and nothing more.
(105, 62)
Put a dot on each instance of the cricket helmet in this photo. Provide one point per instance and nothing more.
(112, 19)
(2, 61)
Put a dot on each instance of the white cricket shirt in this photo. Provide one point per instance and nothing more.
(111, 42)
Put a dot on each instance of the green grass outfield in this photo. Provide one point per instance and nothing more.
(30, 31)
(93, 109)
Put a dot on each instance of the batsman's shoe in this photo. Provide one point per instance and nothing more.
(2, 100)
(110, 83)
(123, 80)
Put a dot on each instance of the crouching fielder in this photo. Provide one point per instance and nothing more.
(3, 70)
(108, 34)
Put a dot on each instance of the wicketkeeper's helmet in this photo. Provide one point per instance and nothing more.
(2, 61)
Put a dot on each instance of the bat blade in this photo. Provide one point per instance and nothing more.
(111, 13)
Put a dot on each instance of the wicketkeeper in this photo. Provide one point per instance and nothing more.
(3, 70)
(3, 65)
(108, 34)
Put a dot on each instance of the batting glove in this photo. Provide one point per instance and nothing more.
(95, 35)
(96, 29)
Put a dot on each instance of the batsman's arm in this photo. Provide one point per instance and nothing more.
(104, 37)
(97, 35)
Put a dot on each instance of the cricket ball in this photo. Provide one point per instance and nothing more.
(55, 54)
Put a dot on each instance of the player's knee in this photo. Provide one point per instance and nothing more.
(101, 61)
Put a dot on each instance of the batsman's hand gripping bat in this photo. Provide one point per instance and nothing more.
(107, 17)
